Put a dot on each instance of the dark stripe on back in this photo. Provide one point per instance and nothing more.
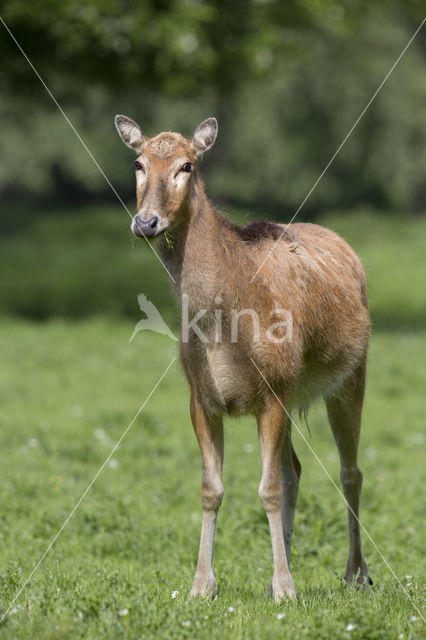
(264, 230)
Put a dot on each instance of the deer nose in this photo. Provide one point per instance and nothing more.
(144, 228)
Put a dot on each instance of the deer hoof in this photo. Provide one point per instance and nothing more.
(203, 587)
(281, 589)
(358, 576)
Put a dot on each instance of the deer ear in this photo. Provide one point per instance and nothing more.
(204, 136)
(130, 133)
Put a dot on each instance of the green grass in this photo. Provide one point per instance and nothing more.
(68, 390)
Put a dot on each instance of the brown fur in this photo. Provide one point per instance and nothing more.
(317, 278)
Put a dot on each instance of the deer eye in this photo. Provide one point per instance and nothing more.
(138, 165)
(187, 167)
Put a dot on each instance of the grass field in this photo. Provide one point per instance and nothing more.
(68, 391)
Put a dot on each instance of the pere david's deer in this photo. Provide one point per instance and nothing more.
(268, 369)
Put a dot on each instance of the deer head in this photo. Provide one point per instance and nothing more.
(165, 169)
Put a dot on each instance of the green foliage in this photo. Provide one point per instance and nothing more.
(69, 390)
(286, 80)
(284, 135)
(174, 46)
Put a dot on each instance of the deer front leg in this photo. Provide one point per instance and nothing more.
(271, 425)
(209, 432)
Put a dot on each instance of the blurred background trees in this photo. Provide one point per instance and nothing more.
(285, 79)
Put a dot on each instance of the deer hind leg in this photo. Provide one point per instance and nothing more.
(290, 471)
(272, 427)
(344, 414)
(209, 432)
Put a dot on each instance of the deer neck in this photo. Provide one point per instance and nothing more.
(194, 252)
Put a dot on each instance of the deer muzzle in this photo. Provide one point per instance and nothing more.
(145, 228)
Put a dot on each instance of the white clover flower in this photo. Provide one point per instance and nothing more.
(174, 594)
(350, 627)
(123, 612)
(231, 609)
(280, 616)
(186, 623)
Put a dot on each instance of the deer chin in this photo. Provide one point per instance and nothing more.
(150, 239)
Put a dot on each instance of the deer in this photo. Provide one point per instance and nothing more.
(244, 276)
